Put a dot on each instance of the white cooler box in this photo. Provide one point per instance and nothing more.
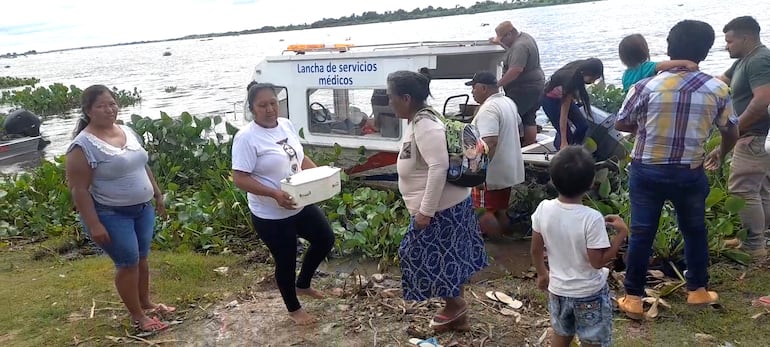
(313, 185)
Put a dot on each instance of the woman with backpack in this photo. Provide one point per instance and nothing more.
(565, 92)
(442, 248)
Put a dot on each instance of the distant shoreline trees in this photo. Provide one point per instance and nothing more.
(355, 19)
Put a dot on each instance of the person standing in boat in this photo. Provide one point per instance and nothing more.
(442, 247)
(113, 188)
(565, 93)
(523, 78)
(749, 79)
(264, 152)
(498, 122)
(672, 115)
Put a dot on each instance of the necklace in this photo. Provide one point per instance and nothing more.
(754, 49)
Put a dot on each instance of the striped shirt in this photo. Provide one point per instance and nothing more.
(674, 113)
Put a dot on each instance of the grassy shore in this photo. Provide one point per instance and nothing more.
(49, 301)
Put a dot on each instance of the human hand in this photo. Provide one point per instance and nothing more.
(421, 221)
(160, 206)
(99, 234)
(284, 200)
(617, 223)
(542, 281)
(692, 66)
(713, 160)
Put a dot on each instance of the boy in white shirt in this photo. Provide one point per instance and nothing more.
(578, 248)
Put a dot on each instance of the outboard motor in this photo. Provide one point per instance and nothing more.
(22, 123)
(608, 140)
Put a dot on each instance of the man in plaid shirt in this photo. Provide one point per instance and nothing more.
(673, 115)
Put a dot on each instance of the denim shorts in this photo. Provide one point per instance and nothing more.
(131, 229)
(589, 318)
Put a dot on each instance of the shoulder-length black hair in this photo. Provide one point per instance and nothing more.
(570, 79)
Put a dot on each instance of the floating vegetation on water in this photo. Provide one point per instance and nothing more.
(13, 82)
(58, 99)
(170, 89)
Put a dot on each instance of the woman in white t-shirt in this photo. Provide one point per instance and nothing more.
(266, 151)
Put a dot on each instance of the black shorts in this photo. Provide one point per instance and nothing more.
(528, 102)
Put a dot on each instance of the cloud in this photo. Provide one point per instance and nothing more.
(33, 28)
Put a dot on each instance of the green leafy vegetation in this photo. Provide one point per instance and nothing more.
(13, 82)
(607, 97)
(190, 157)
(58, 99)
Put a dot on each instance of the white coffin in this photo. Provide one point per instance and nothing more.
(313, 185)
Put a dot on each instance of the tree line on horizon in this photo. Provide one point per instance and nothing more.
(364, 18)
(398, 15)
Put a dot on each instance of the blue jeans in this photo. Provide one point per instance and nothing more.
(687, 189)
(552, 109)
(590, 318)
(131, 229)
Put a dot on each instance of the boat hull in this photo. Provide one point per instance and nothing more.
(17, 147)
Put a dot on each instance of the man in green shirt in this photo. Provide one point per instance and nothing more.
(749, 79)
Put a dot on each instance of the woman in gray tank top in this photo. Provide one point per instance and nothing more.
(113, 188)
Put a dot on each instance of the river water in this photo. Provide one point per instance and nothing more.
(211, 76)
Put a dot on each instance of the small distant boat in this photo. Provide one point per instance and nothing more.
(21, 135)
(485, 24)
(166, 53)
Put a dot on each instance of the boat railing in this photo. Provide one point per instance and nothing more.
(390, 46)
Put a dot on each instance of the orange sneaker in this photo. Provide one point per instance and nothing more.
(702, 297)
(631, 305)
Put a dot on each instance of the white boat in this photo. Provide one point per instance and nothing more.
(336, 95)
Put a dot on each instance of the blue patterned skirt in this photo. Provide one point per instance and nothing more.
(438, 260)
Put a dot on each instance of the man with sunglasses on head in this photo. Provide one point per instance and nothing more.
(523, 79)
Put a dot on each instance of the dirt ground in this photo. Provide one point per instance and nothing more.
(371, 312)
(365, 308)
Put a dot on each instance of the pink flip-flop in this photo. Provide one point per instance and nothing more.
(762, 301)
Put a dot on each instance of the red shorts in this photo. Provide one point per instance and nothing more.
(491, 200)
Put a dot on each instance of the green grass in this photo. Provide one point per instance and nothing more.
(48, 302)
(733, 323)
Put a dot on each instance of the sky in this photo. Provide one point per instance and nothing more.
(44, 25)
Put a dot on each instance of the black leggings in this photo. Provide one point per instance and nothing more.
(280, 236)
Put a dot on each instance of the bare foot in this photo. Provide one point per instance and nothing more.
(300, 317)
(311, 293)
(159, 309)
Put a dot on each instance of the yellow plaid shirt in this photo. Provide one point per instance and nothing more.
(674, 113)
